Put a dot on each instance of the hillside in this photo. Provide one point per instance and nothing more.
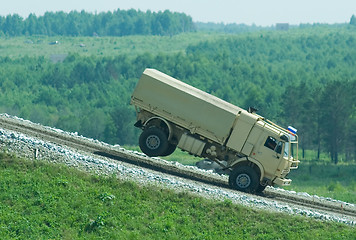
(45, 200)
(68, 194)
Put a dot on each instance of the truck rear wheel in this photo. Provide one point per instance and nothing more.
(153, 142)
(245, 179)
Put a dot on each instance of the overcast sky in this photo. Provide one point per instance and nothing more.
(259, 12)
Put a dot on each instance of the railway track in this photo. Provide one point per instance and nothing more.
(105, 150)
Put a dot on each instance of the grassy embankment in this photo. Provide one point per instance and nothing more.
(44, 201)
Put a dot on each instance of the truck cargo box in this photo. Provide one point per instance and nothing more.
(189, 107)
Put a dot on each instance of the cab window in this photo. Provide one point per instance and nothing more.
(273, 144)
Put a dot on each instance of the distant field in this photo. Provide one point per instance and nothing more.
(17, 47)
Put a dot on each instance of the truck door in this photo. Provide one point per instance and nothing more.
(274, 147)
(270, 154)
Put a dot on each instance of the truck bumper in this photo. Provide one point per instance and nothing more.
(282, 181)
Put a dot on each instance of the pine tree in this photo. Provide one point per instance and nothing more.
(353, 20)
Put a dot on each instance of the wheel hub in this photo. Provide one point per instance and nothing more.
(243, 180)
(153, 142)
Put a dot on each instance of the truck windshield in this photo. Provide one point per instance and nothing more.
(287, 146)
(286, 149)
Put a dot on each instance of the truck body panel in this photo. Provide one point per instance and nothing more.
(191, 144)
(241, 130)
(187, 106)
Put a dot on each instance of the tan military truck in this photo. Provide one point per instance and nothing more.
(255, 152)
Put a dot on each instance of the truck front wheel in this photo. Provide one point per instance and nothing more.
(153, 142)
(244, 178)
(170, 149)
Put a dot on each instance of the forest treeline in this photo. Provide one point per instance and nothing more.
(306, 78)
(116, 23)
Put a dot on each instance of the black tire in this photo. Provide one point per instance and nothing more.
(171, 148)
(245, 179)
(153, 142)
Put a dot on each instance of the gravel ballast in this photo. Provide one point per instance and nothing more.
(39, 150)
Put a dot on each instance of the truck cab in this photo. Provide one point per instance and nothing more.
(264, 150)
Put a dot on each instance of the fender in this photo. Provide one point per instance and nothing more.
(163, 120)
(246, 159)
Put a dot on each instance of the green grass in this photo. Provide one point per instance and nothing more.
(325, 179)
(45, 201)
(17, 47)
(311, 156)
